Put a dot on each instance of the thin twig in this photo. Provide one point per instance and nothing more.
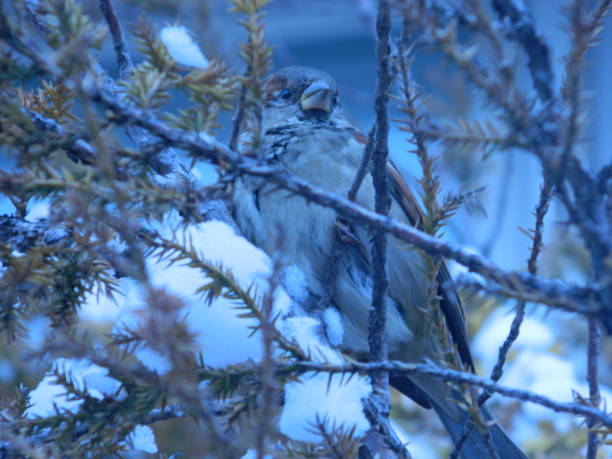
(540, 127)
(515, 327)
(447, 374)
(237, 119)
(218, 153)
(377, 337)
(138, 373)
(432, 221)
(268, 384)
(594, 349)
(123, 56)
(603, 177)
(141, 138)
(584, 30)
(464, 281)
(208, 147)
(163, 414)
(520, 26)
(540, 214)
(32, 7)
(363, 166)
(77, 148)
(572, 85)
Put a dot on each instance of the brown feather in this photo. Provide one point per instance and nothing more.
(450, 303)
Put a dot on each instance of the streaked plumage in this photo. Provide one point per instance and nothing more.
(305, 131)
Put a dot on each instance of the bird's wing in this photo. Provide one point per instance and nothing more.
(450, 303)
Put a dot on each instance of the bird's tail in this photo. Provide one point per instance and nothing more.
(434, 394)
(475, 445)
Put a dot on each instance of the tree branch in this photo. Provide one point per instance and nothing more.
(515, 327)
(593, 351)
(163, 414)
(520, 26)
(123, 56)
(377, 337)
(377, 318)
(554, 291)
(403, 369)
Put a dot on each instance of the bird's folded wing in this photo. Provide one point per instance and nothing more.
(450, 303)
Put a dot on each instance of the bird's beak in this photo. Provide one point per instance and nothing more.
(317, 96)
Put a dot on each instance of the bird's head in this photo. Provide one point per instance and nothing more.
(300, 95)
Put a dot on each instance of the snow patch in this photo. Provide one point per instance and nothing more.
(182, 48)
(252, 454)
(340, 405)
(534, 335)
(153, 360)
(305, 332)
(294, 282)
(220, 334)
(84, 375)
(333, 326)
(39, 208)
(142, 438)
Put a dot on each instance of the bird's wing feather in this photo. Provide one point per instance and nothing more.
(450, 303)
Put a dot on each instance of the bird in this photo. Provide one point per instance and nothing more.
(304, 129)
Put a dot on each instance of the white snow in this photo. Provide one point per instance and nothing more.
(205, 173)
(219, 243)
(207, 138)
(153, 360)
(549, 375)
(310, 397)
(143, 439)
(221, 335)
(544, 374)
(47, 396)
(117, 245)
(485, 346)
(84, 375)
(333, 326)
(305, 332)
(181, 47)
(340, 405)
(225, 339)
(533, 365)
(38, 208)
(294, 282)
(252, 454)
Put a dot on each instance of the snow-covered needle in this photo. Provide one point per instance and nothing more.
(182, 48)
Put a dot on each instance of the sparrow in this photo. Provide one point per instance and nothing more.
(305, 130)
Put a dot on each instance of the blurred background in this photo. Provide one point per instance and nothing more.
(337, 37)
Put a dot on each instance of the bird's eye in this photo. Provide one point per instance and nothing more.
(285, 93)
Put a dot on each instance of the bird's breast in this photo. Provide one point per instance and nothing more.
(328, 159)
(304, 231)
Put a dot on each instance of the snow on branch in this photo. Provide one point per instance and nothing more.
(132, 304)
